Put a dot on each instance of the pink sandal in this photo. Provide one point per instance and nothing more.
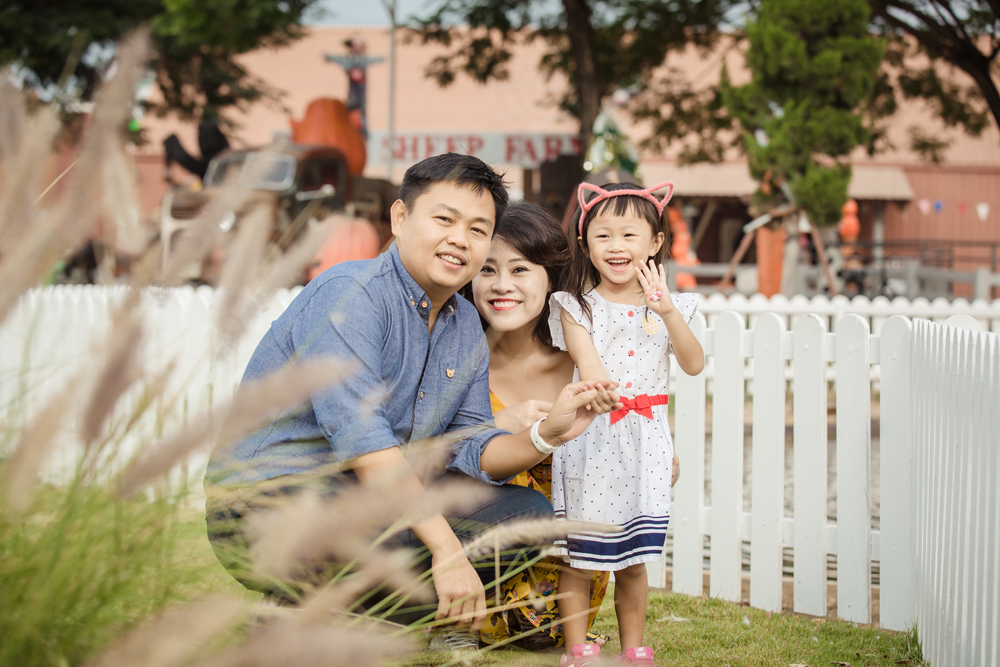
(582, 655)
(637, 656)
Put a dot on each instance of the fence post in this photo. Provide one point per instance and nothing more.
(727, 459)
(809, 401)
(768, 463)
(853, 471)
(689, 494)
(897, 465)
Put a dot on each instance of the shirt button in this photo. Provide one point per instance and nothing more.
(630, 313)
(631, 353)
(628, 384)
(421, 395)
(423, 304)
(412, 302)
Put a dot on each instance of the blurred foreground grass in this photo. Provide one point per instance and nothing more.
(86, 566)
(90, 566)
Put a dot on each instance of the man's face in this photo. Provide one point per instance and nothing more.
(444, 238)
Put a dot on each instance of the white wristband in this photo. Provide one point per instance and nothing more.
(536, 440)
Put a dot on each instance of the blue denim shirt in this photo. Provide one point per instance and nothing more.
(410, 384)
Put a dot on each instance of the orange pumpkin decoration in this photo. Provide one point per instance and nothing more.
(849, 227)
(680, 249)
(328, 123)
(350, 238)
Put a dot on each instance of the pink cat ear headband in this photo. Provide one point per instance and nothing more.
(602, 194)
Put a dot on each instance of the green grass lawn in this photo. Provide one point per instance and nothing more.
(698, 631)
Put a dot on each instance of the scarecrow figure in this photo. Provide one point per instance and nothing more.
(356, 64)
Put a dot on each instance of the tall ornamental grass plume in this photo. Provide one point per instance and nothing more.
(103, 560)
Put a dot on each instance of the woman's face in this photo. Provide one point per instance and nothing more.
(510, 291)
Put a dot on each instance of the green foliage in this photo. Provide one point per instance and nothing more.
(927, 43)
(631, 38)
(814, 66)
(77, 569)
(197, 45)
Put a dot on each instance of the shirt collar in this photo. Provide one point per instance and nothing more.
(413, 292)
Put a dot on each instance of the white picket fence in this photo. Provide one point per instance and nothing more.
(955, 513)
(938, 545)
(929, 552)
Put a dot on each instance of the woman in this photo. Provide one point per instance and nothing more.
(525, 264)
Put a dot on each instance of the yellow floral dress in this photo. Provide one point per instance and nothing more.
(542, 578)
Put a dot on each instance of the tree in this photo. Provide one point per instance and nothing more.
(600, 45)
(814, 64)
(196, 42)
(949, 33)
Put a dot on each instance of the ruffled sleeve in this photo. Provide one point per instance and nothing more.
(687, 304)
(558, 302)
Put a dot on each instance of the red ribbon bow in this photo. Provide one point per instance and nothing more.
(641, 404)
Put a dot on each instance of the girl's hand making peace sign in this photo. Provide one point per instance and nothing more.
(654, 288)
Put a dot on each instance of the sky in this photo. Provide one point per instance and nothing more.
(367, 12)
(372, 12)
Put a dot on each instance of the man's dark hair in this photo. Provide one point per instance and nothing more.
(462, 170)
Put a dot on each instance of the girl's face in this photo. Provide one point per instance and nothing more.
(618, 244)
(510, 291)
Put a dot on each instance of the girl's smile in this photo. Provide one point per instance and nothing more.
(616, 245)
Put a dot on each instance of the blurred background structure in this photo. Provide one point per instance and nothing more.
(923, 157)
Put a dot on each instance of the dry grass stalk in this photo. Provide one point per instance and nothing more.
(531, 532)
(175, 637)
(201, 235)
(11, 117)
(25, 163)
(382, 567)
(22, 468)
(295, 644)
(117, 372)
(53, 233)
(122, 205)
(271, 270)
(243, 266)
(297, 532)
(255, 403)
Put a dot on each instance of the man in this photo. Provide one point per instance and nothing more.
(419, 347)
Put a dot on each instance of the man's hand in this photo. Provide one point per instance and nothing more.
(522, 415)
(460, 592)
(569, 416)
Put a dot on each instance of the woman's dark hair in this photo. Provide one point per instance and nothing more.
(581, 275)
(536, 235)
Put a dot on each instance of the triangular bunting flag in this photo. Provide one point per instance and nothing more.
(983, 210)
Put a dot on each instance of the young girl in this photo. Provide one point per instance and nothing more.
(618, 321)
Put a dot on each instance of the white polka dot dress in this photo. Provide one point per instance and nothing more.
(619, 473)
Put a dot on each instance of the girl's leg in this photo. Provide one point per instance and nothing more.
(573, 608)
(631, 588)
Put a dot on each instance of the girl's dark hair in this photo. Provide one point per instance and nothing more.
(581, 275)
(536, 235)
